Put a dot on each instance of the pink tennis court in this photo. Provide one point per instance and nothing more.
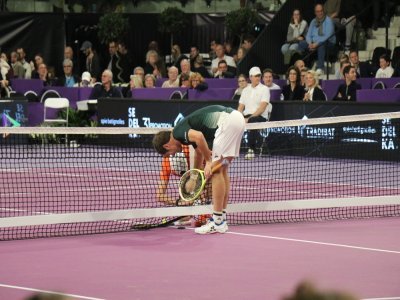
(303, 210)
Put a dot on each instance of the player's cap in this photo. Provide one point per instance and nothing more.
(254, 71)
(86, 45)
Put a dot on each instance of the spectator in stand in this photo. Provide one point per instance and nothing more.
(194, 53)
(348, 11)
(240, 54)
(173, 80)
(154, 65)
(242, 83)
(363, 69)
(200, 68)
(38, 60)
(313, 91)
(220, 52)
(18, 69)
(68, 79)
(138, 71)
(92, 60)
(213, 45)
(86, 80)
(223, 71)
(4, 76)
(319, 36)
(248, 42)
(196, 81)
(293, 90)
(25, 64)
(300, 65)
(343, 60)
(296, 32)
(229, 49)
(44, 75)
(123, 50)
(184, 81)
(149, 81)
(385, 70)
(303, 74)
(105, 90)
(267, 77)
(185, 67)
(177, 56)
(136, 82)
(118, 64)
(69, 54)
(347, 91)
(332, 10)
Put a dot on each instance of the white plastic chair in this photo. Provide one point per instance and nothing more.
(56, 103)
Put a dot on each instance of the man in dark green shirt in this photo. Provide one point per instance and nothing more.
(213, 127)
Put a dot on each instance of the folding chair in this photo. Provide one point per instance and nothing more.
(264, 132)
(58, 104)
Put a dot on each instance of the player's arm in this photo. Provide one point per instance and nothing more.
(241, 107)
(203, 153)
(161, 193)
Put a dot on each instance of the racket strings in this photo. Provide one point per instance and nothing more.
(188, 193)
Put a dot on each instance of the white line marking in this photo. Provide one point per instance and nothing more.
(313, 242)
(47, 292)
(390, 298)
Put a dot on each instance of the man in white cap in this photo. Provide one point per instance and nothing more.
(253, 105)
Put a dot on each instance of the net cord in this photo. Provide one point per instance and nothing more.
(146, 130)
(117, 215)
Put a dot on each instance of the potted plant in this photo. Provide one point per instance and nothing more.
(172, 20)
(241, 21)
(112, 27)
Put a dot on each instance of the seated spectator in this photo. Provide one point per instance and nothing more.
(86, 80)
(68, 79)
(303, 74)
(220, 52)
(248, 41)
(319, 37)
(69, 54)
(25, 64)
(37, 61)
(43, 74)
(343, 61)
(200, 68)
(4, 76)
(149, 81)
(241, 52)
(385, 70)
(313, 90)
(184, 81)
(242, 83)
(185, 67)
(348, 91)
(293, 90)
(229, 49)
(177, 56)
(138, 71)
(154, 65)
(363, 69)
(173, 80)
(267, 77)
(296, 32)
(105, 90)
(299, 64)
(196, 81)
(136, 82)
(223, 71)
(118, 63)
(348, 11)
(18, 69)
(194, 53)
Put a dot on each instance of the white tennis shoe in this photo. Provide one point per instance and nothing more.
(211, 227)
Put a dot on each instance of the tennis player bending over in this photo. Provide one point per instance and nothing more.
(213, 127)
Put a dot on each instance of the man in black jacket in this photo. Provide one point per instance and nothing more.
(363, 69)
(348, 91)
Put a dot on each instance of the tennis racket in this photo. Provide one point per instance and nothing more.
(192, 182)
(165, 222)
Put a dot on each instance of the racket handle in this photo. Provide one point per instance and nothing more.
(218, 166)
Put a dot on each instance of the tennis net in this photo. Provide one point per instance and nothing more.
(68, 181)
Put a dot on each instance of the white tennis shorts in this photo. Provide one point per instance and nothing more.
(228, 135)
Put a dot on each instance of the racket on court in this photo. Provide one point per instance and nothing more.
(192, 182)
(163, 223)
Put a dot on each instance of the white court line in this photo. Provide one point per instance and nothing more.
(390, 298)
(313, 242)
(47, 292)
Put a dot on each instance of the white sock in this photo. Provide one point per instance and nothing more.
(224, 214)
(217, 217)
